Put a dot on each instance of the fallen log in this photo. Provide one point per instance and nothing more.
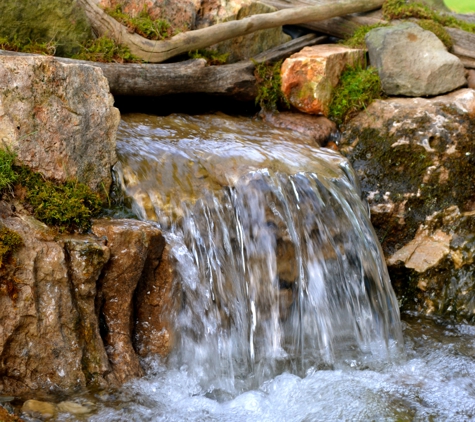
(159, 51)
(192, 76)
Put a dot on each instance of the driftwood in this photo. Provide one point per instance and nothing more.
(159, 51)
(342, 27)
(464, 46)
(192, 76)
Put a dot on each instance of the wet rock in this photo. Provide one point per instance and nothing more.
(180, 14)
(153, 331)
(73, 408)
(39, 409)
(308, 77)
(413, 62)
(59, 118)
(58, 21)
(318, 128)
(130, 243)
(415, 160)
(86, 259)
(7, 415)
(51, 338)
(245, 47)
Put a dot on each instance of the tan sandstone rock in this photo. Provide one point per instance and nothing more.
(50, 337)
(309, 76)
(132, 244)
(39, 409)
(59, 118)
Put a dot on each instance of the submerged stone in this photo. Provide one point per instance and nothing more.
(39, 409)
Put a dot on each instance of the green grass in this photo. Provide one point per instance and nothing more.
(461, 6)
(357, 88)
(67, 206)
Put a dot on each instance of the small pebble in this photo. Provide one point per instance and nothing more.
(73, 408)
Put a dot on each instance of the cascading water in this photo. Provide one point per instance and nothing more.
(283, 310)
(279, 266)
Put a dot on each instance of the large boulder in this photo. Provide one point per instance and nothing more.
(67, 303)
(62, 22)
(59, 118)
(413, 62)
(415, 158)
(247, 46)
(309, 76)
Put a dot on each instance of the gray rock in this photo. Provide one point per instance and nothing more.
(413, 62)
(59, 118)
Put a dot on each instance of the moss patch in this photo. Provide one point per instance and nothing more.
(67, 206)
(143, 24)
(357, 40)
(400, 9)
(34, 47)
(10, 242)
(106, 50)
(212, 57)
(269, 83)
(356, 89)
(61, 22)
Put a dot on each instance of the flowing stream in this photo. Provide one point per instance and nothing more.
(283, 308)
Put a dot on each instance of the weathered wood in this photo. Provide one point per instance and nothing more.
(340, 27)
(192, 76)
(464, 46)
(159, 51)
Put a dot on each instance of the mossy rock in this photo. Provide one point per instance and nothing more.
(61, 21)
(415, 160)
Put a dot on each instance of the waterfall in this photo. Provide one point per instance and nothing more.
(278, 267)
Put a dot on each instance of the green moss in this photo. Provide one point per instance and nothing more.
(437, 29)
(143, 24)
(357, 40)
(34, 47)
(59, 22)
(68, 206)
(10, 242)
(212, 57)
(400, 9)
(105, 50)
(356, 89)
(7, 175)
(269, 82)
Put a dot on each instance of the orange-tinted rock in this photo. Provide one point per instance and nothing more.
(153, 333)
(308, 77)
(131, 243)
(319, 128)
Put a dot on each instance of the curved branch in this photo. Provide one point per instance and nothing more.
(159, 51)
